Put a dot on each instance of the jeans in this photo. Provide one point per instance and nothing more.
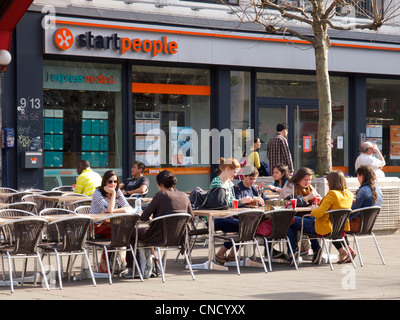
(229, 224)
(308, 227)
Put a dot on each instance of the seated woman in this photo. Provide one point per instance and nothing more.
(338, 197)
(167, 201)
(246, 187)
(368, 194)
(300, 185)
(280, 173)
(108, 198)
(228, 169)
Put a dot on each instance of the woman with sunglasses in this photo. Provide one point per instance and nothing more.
(108, 198)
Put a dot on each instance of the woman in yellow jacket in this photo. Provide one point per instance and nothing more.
(338, 197)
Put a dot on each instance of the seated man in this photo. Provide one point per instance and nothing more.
(87, 180)
(137, 183)
(246, 187)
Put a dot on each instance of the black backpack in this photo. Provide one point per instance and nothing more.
(215, 198)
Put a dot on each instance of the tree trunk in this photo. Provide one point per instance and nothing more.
(321, 46)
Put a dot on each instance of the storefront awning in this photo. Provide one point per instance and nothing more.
(11, 11)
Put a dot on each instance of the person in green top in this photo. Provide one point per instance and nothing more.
(228, 169)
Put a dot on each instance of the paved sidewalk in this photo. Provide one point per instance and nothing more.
(310, 282)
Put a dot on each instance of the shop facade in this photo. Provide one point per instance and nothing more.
(113, 92)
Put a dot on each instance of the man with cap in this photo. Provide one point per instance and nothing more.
(278, 149)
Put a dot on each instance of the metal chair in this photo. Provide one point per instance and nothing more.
(368, 217)
(71, 242)
(122, 226)
(7, 230)
(135, 195)
(83, 210)
(26, 235)
(51, 233)
(280, 223)
(75, 204)
(73, 194)
(174, 227)
(248, 224)
(24, 205)
(52, 193)
(16, 197)
(41, 202)
(7, 190)
(338, 219)
(63, 188)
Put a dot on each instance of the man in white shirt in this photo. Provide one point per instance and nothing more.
(366, 158)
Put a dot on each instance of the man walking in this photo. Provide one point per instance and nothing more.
(278, 149)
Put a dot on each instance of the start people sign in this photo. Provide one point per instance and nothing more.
(76, 37)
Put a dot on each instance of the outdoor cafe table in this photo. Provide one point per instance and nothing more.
(61, 200)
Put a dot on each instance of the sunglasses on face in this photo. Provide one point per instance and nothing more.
(112, 181)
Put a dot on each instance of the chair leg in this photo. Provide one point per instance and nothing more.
(108, 265)
(89, 266)
(268, 253)
(10, 272)
(136, 264)
(236, 257)
(358, 250)
(377, 247)
(189, 265)
(291, 252)
(261, 256)
(59, 269)
(43, 272)
(327, 253)
(161, 264)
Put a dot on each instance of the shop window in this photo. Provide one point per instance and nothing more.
(383, 118)
(82, 119)
(170, 108)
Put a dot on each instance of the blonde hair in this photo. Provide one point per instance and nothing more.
(336, 180)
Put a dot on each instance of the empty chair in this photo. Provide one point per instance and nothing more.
(64, 188)
(35, 190)
(26, 235)
(51, 233)
(280, 223)
(71, 242)
(75, 204)
(248, 224)
(52, 193)
(142, 195)
(16, 197)
(7, 190)
(7, 230)
(41, 202)
(122, 226)
(83, 210)
(338, 219)
(367, 218)
(73, 194)
(174, 227)
(24, 205)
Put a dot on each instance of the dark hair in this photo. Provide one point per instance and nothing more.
(369, 179)
(285, 174)
(336, 180)
(140, 165)
(84, 163)
(250, 171)
(281, 126)
(300, 174)
(107, 175)
(167, 179)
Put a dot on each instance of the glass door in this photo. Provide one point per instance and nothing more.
(302, 117)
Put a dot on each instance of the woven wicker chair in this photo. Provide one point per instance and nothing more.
(122, 226)
(41, 202)
(63, 188)
(71, 242)
(75, 204)
(16, 197)
(52, 193)
(174, 228)
(26, 235)
(83, 210)
(368, 217)
(24, 205)
(248, 224)
(51, 232)
(280, 223)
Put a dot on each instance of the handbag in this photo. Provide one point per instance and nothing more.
(215, 198)
(355, 225)
(265, 228)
